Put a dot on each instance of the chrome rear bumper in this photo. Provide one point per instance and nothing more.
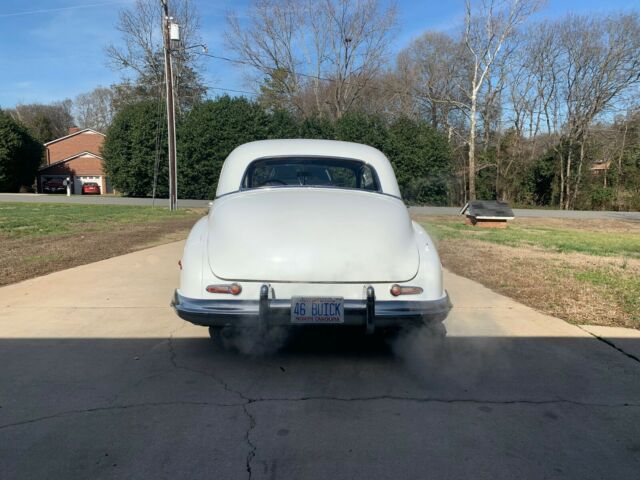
(368, 313)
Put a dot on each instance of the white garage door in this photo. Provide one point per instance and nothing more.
(79, 181)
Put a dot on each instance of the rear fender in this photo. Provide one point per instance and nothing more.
(194, 259)
(429, 275)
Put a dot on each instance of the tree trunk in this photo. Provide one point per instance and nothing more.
(567, 179)
(579, 176)
(472, 148)
(561, 158)
(619, 172)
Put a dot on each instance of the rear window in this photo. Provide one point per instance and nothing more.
(310, 171)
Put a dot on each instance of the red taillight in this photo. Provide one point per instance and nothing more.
(233, 289)
(397, 290)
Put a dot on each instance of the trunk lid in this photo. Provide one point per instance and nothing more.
(311, 235)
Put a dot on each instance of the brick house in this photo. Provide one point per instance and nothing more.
(76, 156)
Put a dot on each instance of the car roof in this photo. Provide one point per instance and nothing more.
(239, 159)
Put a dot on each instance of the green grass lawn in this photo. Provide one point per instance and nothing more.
(19, 220)
(621, 287)
(40, 238)
(609, 244)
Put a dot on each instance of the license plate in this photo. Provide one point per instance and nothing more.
(317, 310)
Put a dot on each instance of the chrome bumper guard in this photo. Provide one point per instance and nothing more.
(265, 312)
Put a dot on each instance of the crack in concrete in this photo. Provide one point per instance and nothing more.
(611, 344)
(119, 407)
(219, 381)
(246, 401)
(247, 436)
(444, 400)
(251, 401)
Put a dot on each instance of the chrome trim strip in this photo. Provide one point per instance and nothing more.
(248, 190)
(220, 311)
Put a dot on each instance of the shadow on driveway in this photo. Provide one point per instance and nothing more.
(326, 405)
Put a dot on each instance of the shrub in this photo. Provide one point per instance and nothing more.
(136, 141)
(20, 155)
(208, 134)
(421, 159)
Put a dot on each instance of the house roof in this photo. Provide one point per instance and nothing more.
(488, 210)
(44, 167)
(84, 130)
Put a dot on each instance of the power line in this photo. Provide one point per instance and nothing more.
(208, 86)
(249, 64)
(60, 9)
(231, 90)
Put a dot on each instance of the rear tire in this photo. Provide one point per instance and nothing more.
(217, 337)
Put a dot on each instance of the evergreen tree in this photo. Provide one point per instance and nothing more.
(136, 143)
(210, 131)
(362, 128)
(316, 127)
(421, 159)
(282, 125)
(20, 155)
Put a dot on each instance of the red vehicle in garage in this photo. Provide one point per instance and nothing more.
(90, 188)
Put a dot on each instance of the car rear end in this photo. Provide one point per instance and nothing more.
(310, 257)
(90, 188)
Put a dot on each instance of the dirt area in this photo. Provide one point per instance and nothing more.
(577, 287)
(23, 258)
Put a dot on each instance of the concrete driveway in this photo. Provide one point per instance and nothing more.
(99, 379)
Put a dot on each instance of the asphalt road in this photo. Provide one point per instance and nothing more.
(95, 200)
(110, 200)
(100, 379)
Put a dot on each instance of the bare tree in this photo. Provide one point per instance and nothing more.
(434, 74)
(267, 42)
(46, 121)
(458, 83)
(530, 85)
(529, 94)
(487, 28)
(320, 56)
(94, 109)
(599, 64)
(140, 52)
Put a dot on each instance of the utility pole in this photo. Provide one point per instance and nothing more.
(171, 119)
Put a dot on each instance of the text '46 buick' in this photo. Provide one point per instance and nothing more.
(309, 232)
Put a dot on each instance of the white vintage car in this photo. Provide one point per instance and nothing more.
(309, 232)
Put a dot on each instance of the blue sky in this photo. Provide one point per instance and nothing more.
(54, 49)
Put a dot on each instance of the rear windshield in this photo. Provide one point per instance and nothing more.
(310, 171)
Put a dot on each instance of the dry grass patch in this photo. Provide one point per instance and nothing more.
(549, 271)
(46, 249)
